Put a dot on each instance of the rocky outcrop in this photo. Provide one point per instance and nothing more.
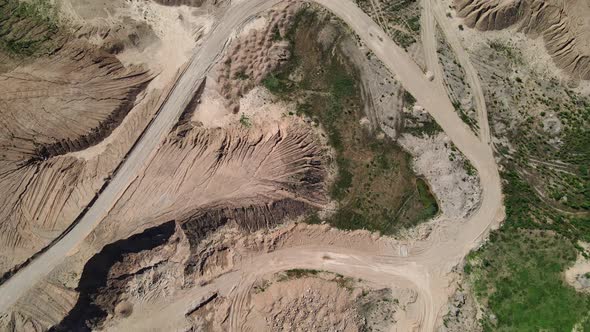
(106, 275)
(564, 26)
(248, 218)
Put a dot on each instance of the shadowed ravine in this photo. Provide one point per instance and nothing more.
(95, 276)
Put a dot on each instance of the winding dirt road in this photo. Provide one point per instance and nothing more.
(423, 266)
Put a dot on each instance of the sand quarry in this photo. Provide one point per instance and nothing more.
(177, 204)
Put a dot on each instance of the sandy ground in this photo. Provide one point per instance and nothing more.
(563, 25)
(578, 276)
(533, 49)
(434, 15)
(458, 193)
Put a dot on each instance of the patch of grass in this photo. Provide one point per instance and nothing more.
(313, 219)
(428, 128)
(400, 19)
(518, 273)
(427, 200)
(276, 34)
(518, 276)
(300, 273)
(507, 50)
(275, 84)
(403, 39)
(344, 179)
(414, 23)
(472, 123)
(471, 171)
(409, 100)
(245, 121)
(27, 28)
(375, 186)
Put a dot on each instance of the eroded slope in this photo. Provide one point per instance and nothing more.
(564, 26)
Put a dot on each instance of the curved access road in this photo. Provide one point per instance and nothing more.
(433, 13)
(423, 264)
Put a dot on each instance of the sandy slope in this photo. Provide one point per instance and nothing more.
(422, 265)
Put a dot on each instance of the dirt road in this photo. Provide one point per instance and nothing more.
(423, 266)
(139, 157)
(236, 284)
(434, 14)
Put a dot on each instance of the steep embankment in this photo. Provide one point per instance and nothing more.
(65, 95)
(564, 26)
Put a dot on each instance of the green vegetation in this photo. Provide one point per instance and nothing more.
(428, 128)
(409, 100)
(518, 274)
(375, 185)
(400, 18)
(463, 115)
(414, 23)
(506, 50)
(340, 280)
(245, 121)
(276, 85)
(300, 273)
(28, 28)
(276, 34)
(564, 176)
(469, 167)
(553, 161)
(425, 197)
(403, 39)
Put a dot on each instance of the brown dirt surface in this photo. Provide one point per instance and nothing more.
(71, 110)
(51, 107)
(256, 54)
(564, 26)
(304, 300)
(224, 170)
